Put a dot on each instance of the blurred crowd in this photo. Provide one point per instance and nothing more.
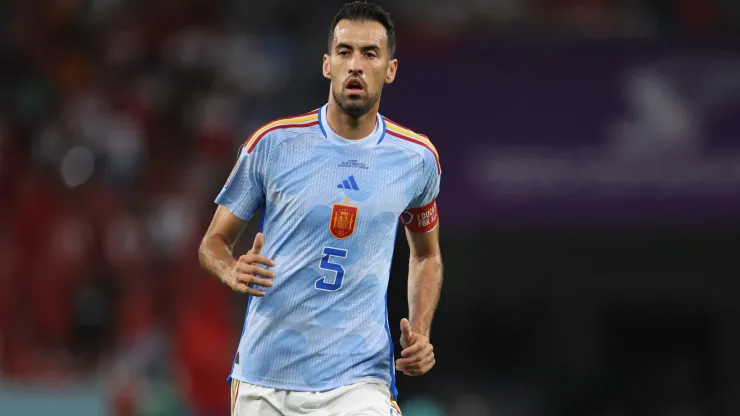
(121, 123)
(119, 120)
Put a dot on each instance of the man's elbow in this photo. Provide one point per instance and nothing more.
(203, 252)
(432, 258)
(205, 249)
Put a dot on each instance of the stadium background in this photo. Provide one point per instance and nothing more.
(590, 204)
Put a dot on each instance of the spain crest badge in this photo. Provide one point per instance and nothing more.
(343, 220)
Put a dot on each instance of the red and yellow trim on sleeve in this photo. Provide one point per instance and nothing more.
(403, 133)
(303, 120)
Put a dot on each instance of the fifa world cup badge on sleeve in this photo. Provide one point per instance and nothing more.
(421, 220)
(343, 220)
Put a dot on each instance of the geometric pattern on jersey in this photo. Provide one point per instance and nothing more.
(324, 323)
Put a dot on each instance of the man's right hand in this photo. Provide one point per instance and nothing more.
(247, 270)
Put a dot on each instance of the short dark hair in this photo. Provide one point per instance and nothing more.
(364, 11)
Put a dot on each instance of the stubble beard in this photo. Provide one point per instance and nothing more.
(354, 107)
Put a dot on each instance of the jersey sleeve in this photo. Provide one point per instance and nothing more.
(421, 215)
(244, 191)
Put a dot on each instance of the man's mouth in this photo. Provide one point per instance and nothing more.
(354, 85)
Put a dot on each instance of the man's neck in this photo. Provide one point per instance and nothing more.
(348, 127)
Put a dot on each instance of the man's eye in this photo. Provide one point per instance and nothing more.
(370, 55)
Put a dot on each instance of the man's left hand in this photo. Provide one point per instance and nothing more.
(417, 356)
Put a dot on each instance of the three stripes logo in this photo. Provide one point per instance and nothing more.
(349, 183)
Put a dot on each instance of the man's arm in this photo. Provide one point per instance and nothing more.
(216, 255)
(425, 279)
(425, 271)
(425, 283)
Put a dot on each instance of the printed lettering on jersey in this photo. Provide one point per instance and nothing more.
(421, 220)
(353, 163)
(343, 219)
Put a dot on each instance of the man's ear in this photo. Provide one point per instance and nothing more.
(326, 67)
(390, 73)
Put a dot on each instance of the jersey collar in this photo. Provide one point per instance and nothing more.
(374, 138)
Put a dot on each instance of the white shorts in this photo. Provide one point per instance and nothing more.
(366, 398)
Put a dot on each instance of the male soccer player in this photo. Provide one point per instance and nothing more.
(331, 185)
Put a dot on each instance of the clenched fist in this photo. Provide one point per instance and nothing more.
(418, 352)
(248, 271)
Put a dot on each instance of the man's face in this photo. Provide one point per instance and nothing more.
(358, 65)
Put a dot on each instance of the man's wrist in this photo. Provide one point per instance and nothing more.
(226, 274)
(420, 329)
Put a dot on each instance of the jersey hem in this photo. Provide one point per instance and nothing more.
(280, 385)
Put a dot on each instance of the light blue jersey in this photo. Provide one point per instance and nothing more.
(331, 211)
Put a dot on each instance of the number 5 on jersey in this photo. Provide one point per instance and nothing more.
(326, 264)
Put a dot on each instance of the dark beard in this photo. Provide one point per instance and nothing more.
(354, 108)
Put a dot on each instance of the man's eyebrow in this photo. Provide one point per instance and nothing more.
(363, 48)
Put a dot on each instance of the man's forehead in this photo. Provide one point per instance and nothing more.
(363, 32)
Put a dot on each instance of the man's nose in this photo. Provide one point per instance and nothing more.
(355, 65)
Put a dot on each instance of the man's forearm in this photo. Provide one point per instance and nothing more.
(216, 256)
(425, 284)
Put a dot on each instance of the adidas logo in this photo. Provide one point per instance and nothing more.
(349, 183)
